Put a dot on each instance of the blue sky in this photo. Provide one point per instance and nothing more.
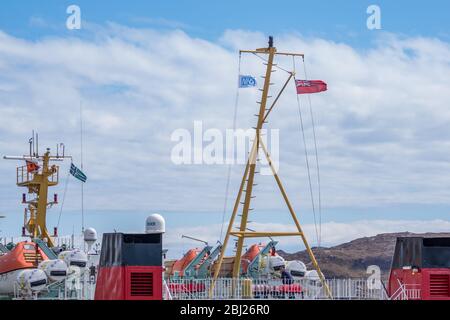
(340, 20)
(146, 68)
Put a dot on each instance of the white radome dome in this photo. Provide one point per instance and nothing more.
(155, 223)
(90, 235)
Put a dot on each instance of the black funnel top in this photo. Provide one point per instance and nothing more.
(120, 249)
(422, 252)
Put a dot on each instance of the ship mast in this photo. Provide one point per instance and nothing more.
(37, 176)
(247, 181)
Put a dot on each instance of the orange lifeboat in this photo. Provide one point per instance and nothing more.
(25, 255)
(181, 264)
(250, 255)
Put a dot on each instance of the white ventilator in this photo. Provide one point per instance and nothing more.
(31, 281)
(56, 270)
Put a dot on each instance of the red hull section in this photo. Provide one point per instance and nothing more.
(426, 284)
(129, 283)
(130, 267)
(24, 255)
(110, 283)
(420, 269)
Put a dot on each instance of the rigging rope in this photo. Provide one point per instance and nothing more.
(274, 65)
(306, 157)
(64, 198)
(82, 184)
(317, 157)
(227, 188)
(317, 230)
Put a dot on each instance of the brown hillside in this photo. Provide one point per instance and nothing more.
(351, 259)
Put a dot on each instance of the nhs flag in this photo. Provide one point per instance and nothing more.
(246, 81)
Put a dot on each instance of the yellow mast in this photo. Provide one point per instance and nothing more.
(37, 176)
(247, 181)
(37, 184)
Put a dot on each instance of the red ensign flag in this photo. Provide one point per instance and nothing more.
(32, 166)
(310, 86)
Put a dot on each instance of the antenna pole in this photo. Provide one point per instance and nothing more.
(82, 184)
(31, 146)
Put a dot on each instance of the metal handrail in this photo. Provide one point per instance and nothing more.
(247, 288)
(24, 176)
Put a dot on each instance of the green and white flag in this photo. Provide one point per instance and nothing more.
(77, 173)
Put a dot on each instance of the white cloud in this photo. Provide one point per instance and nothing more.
(382, 126)
(333, 233)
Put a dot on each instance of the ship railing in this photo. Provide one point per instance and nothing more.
(24, 176)
(243, 288)
(407, 292)
(166, 291)
(77, 286)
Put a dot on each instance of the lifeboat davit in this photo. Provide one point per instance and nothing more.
(25, 255)
(250, 255)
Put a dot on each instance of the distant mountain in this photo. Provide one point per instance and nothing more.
(351, 259)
